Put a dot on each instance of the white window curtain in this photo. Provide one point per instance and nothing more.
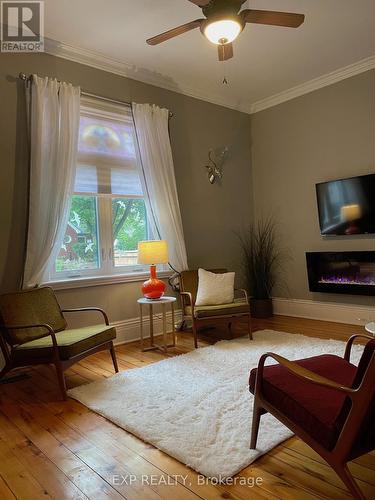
(151, 124)
(54, 129)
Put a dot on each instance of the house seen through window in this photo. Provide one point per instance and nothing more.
(108, 212)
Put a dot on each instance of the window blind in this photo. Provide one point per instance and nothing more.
(107, 160)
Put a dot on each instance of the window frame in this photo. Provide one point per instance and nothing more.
(82, 273)
(106, 272)
(86, 282)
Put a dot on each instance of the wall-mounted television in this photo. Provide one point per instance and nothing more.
(347, 206)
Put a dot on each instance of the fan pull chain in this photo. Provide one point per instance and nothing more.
(225, 79)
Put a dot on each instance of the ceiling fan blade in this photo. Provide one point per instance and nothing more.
(225, 51)
(273, 18)
(174, 32)
(200, 3)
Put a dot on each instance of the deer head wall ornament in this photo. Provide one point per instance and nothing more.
(215, 167)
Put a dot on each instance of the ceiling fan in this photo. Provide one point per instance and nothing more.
(223, 23)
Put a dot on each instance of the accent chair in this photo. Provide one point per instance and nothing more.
(33, 331)
(226, 314)
(325, 400)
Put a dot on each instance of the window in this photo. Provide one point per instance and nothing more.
(108, 213)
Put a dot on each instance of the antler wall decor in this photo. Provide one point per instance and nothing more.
(215, 167)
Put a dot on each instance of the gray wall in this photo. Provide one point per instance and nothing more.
(324, 135)
(210, 214)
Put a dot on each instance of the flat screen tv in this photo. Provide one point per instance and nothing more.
(347, 206)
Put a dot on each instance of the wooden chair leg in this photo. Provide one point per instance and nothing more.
(114, 359)
(195, 334)
(345, 475)
(5, 370)
(249, 327)
(182, 326)
(230, 329)
(257, 412)
(61, 379)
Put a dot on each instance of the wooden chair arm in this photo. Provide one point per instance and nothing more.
(350, 343)
(300, 372)
(189, 295)
(48, 327)
(244, 293)
(83, 309)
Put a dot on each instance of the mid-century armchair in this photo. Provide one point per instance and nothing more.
(33, 331)
(210, 315)
(325, 400)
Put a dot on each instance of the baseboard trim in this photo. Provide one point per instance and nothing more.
(129, 330)
(326, 311)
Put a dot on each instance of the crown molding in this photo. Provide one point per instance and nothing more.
(315, 84)
(122, 68)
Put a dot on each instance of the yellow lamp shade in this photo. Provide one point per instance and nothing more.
(152, 252)
(350, 213)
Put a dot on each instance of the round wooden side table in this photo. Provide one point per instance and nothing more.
(163, 302)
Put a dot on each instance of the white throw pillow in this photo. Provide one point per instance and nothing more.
(214, 288)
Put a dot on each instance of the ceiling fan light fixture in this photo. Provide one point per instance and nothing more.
(223, 31)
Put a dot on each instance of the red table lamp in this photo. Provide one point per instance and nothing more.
(152, 253)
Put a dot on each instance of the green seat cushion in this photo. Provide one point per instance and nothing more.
(70, 342)
(221, 310)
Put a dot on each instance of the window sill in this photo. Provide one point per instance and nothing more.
(82, 282)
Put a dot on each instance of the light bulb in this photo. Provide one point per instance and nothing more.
(221, 32)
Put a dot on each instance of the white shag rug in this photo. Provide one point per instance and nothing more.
(197, 407)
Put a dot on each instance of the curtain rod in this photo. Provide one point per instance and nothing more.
(26, 78)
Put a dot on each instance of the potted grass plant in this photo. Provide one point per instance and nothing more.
(262, 262)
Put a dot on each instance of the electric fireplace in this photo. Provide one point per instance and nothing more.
(341, 272)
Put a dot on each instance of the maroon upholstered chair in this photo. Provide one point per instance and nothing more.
(325, 400)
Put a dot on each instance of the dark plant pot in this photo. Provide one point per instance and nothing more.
(261, 308)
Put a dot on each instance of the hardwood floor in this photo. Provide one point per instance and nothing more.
(55, 449)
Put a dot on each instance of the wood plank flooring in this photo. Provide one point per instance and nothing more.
(55, 449)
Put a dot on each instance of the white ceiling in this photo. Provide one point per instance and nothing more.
(268, 60)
